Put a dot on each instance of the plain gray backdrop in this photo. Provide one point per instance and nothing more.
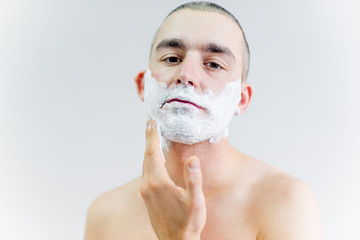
(72, 125)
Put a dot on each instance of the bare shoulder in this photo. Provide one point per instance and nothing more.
(287, 206)
(113, 206)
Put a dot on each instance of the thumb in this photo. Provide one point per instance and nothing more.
(193, 178)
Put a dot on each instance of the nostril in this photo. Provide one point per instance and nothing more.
(185, 82)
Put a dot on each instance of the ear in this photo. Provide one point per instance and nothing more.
(139, 81)
(246, 94)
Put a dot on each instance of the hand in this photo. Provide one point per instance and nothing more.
(175, 213)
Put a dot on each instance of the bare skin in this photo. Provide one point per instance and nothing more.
(258, 202)
(203, 191)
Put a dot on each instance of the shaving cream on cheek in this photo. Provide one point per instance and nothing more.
(185, 116)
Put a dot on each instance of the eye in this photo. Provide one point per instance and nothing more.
(213, 65)
(172, 60)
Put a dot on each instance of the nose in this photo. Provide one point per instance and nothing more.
(189, 72)
(179, 81)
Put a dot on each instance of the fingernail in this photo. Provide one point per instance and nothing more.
(148, 125)
(194, 166)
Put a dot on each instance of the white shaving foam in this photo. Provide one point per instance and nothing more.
(188, 124)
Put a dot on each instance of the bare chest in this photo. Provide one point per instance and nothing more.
(224, 222)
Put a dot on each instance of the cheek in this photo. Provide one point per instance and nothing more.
(214, 87)
(163, 76)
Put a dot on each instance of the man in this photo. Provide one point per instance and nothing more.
(194, 184)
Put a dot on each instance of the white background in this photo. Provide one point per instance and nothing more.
(72, 126)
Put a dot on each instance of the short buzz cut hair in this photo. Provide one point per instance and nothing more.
(212, 7)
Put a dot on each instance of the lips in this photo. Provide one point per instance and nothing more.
(183, 101)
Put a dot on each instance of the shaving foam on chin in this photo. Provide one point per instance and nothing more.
(185, 123)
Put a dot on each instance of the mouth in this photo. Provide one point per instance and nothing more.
(183, 101)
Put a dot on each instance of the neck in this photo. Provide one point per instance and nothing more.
(217, 162)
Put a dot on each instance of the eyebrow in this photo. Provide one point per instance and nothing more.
(209, 48)
(170, 43)
(215, 48)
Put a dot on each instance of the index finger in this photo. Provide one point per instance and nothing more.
(153, 159)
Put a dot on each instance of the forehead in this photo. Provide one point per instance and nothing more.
(196, 28)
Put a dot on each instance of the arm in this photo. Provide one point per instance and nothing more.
(93, 221)
(175, 213)
(294, 216)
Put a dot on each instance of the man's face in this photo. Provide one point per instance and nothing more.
(193, 88)
(199, 48)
